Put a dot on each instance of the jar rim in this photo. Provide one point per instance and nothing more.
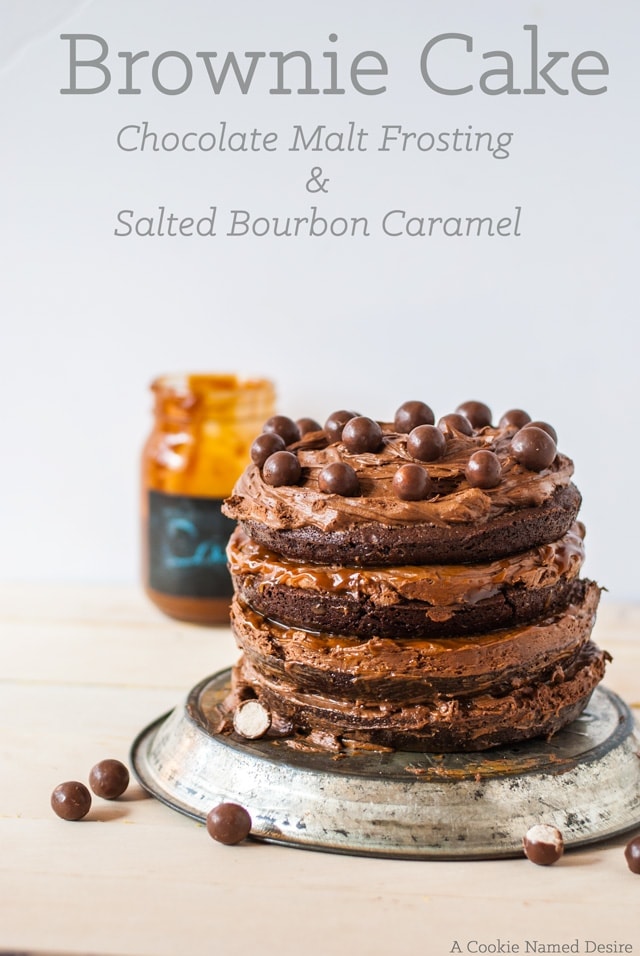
(222, 383)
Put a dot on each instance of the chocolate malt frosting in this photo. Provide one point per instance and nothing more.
(395, 588)
(457, 523)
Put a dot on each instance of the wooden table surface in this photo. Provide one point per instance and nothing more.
(84, 669)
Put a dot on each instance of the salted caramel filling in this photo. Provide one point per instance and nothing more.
(440, 585)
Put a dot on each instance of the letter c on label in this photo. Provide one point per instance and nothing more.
(424, 66)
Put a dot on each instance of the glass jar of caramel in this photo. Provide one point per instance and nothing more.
(203, 429)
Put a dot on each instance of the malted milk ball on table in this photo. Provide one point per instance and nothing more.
(543, 844)
(71, 800)
(109, 779)
(632, 855)
(228, 823)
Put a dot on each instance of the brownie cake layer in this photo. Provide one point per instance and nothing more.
(455, 523)
(412, 600)
(380, 544)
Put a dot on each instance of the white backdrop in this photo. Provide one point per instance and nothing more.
(546, 320)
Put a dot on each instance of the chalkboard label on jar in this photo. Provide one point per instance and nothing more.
(187, 541)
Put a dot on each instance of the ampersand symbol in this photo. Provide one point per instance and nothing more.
(315, 184)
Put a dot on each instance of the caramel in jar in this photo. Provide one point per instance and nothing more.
(203, 429)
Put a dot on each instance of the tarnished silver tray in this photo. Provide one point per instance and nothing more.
(585, 781)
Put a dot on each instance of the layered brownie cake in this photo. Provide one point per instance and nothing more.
(409, 584)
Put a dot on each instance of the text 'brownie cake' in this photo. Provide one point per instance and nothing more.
(409, 585)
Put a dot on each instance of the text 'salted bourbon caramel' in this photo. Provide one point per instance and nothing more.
(203, 428)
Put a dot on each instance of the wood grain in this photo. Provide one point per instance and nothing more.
(83, 670)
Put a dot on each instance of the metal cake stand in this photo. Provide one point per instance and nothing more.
(585, 781)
